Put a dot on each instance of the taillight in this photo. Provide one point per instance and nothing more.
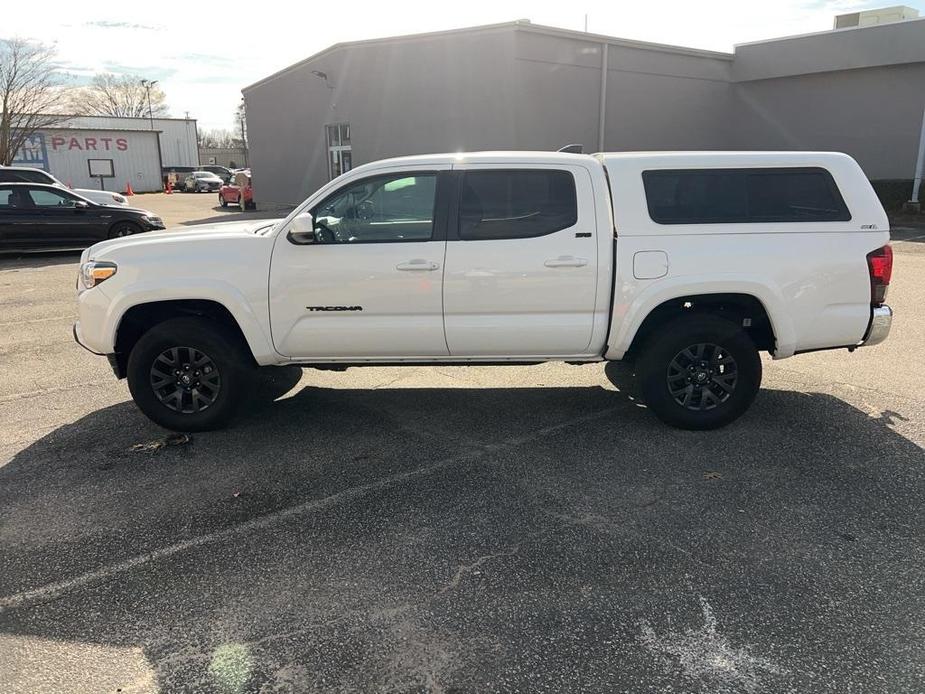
(880, 266)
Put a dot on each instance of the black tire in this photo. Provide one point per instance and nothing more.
(228, 378)
(120, 229)
(707, 362)
(222, 201)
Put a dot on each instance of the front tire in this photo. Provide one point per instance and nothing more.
(120, 229)
(190, 374)
(222, 201)
(699, 372)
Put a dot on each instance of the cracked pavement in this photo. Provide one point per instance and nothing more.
(462, 529)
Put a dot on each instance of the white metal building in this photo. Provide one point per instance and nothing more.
(111, 152)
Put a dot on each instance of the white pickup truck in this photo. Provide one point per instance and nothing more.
(689, 264)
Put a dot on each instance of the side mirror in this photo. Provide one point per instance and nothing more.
(81, 205)
(302, 229)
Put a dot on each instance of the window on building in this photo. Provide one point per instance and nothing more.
(384, 208)
(726, 196)
(340, 154)
(516, 204)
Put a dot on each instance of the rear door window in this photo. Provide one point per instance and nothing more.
(728, 196)
(516, 204)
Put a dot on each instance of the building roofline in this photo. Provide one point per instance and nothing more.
(65, 116)
(520, 25)
(89, 128)
(828, 32)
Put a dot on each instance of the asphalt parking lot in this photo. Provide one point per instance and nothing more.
(458, 529)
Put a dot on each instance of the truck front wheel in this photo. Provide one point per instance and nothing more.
(189, 374)
(699, 372)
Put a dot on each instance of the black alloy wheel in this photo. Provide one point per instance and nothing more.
(698, 371)
(190, 373)
(185, 379)
(702, 376)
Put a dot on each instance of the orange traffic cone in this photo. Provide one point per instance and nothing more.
(69, 184)
(128, 189)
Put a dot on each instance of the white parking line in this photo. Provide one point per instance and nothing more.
(54, 590)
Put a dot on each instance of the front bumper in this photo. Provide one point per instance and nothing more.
(113, 359)
(881, 320)
(78, 338)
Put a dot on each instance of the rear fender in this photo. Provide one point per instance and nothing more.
(627, 318)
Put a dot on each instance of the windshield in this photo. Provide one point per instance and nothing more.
(204, 174)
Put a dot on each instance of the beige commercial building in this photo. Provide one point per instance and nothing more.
(519, 85)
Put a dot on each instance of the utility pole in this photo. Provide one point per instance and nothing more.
(147, 84)
(243, 112)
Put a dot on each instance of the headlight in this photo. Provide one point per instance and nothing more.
(95, 271)
(118, 198)
(151, 219)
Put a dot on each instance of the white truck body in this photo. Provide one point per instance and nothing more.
(581, 293)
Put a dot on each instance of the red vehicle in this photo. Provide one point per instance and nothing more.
(231, 192)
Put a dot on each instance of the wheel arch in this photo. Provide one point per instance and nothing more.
(140, 318)
(743, 309)
(123, 220)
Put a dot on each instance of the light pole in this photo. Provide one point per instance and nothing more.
(147, 84)
(243, 113)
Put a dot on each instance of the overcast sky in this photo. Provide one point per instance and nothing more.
(203, 53)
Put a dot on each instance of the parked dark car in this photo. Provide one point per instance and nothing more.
(37, 216)
(223, 172)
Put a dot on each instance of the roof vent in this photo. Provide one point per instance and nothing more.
(867, 18)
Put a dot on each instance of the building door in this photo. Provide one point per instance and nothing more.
(340, 155)
(368, 283)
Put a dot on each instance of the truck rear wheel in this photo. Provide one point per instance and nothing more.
(189, 374)
(699, 372)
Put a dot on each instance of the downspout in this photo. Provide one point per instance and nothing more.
(602, 116)
(914, 204)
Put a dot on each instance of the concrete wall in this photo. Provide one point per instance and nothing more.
(520, 86)
(224, 156)
(495, 89)
(860, 91)
(873, 114)
(897, 43)
(423, 95)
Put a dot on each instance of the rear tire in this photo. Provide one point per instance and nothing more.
(699, 372)
(190, 374)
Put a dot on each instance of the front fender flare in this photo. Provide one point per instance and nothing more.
(252, 316)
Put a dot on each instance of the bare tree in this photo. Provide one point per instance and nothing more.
(32, 94)
(218, 137)
(119, 95)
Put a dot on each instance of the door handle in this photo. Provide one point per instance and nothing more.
(566, 261)
(417, 265)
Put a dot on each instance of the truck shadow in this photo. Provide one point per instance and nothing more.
(334, 538)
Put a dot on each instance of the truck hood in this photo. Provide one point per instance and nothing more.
(179, 235)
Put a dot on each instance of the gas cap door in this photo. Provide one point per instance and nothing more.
(650, 265)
